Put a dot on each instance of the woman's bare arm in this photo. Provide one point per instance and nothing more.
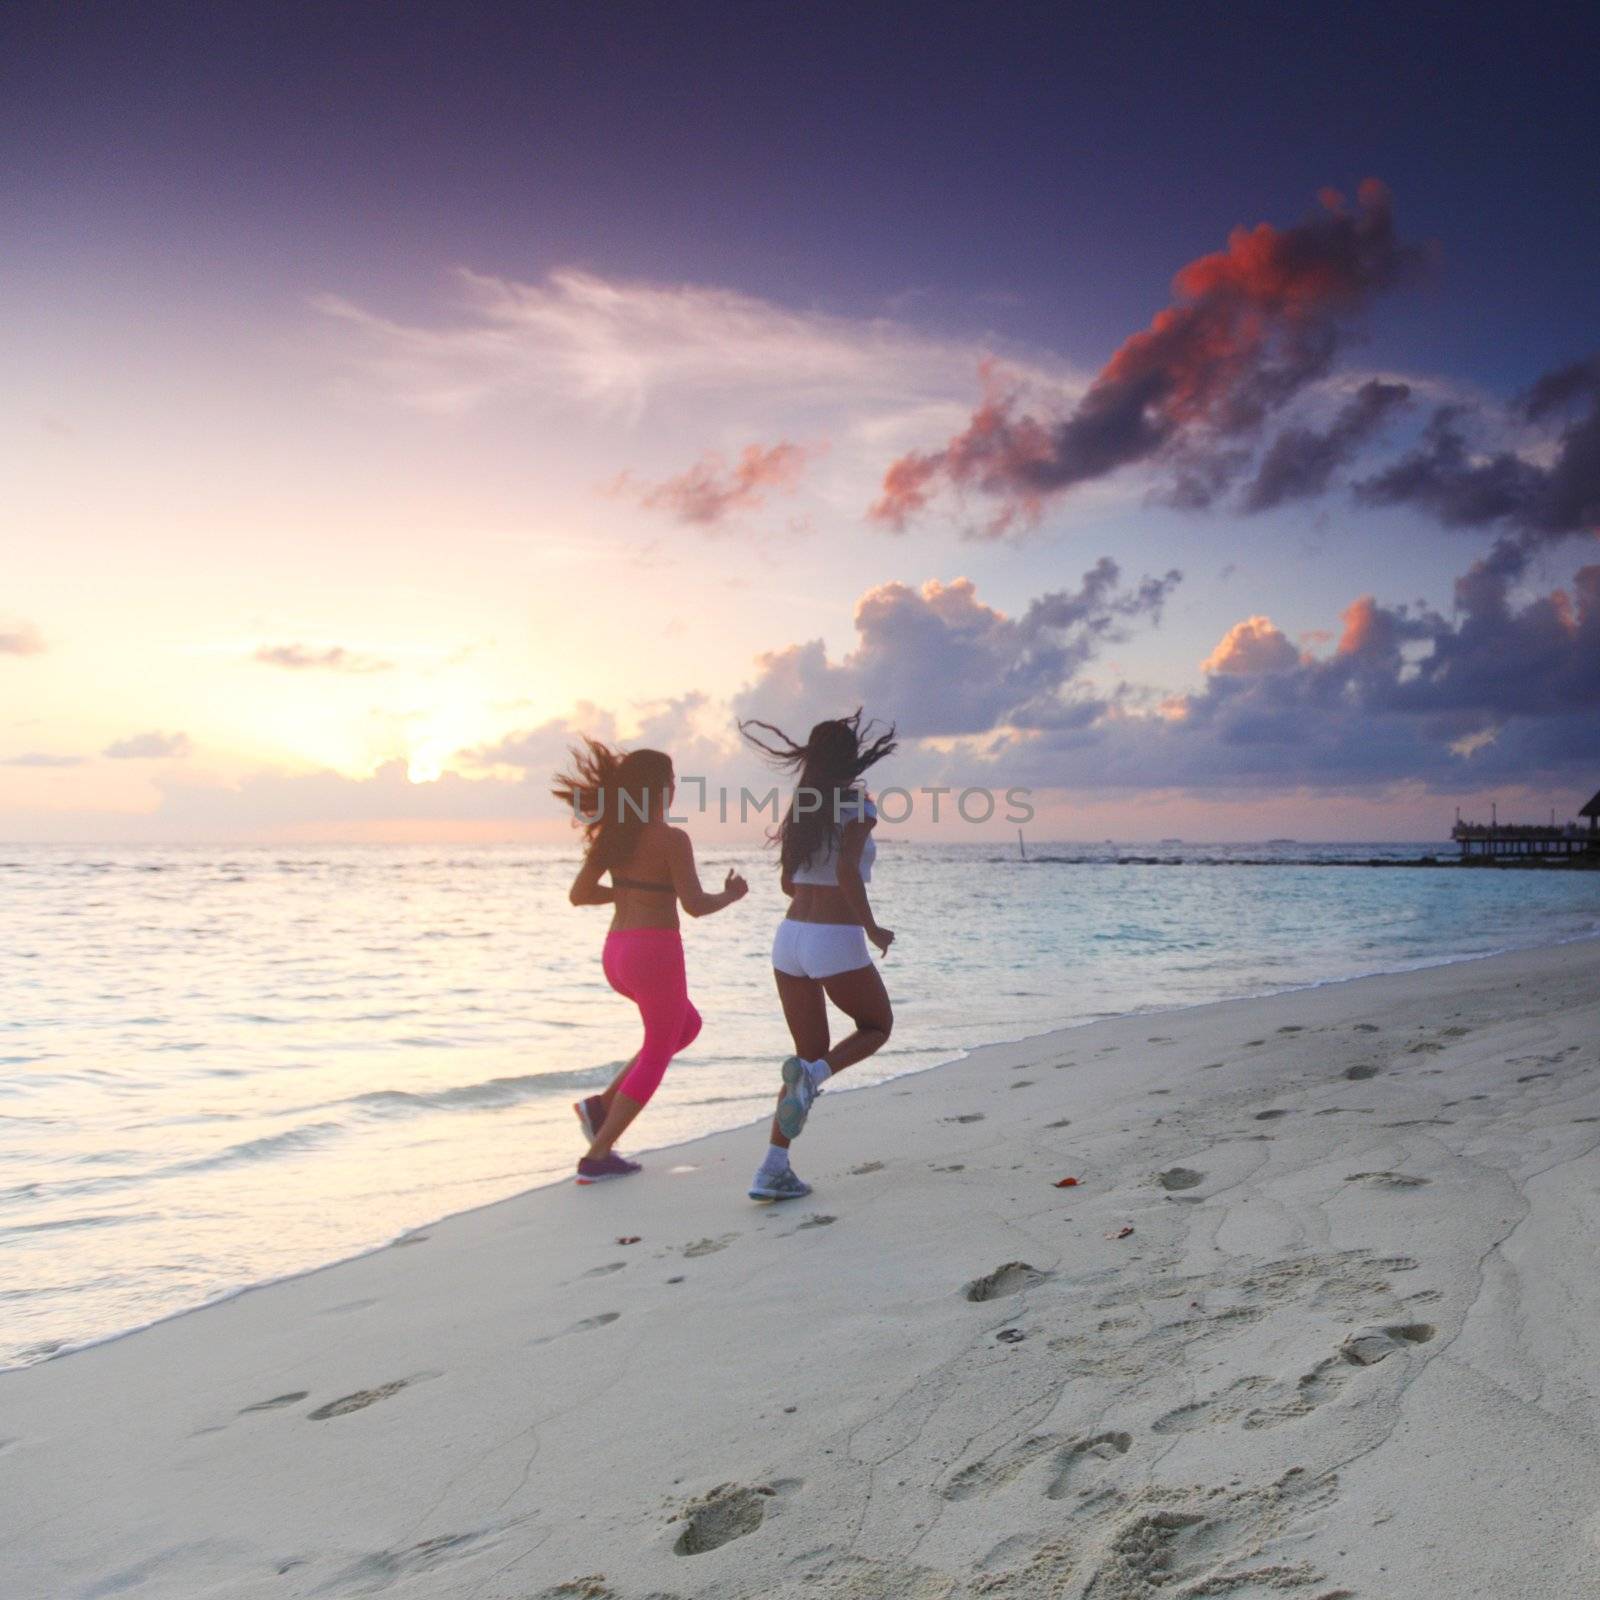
(587, 889)
(852, 886)
(694, 899)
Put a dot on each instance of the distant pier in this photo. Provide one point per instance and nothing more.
(1530, 842)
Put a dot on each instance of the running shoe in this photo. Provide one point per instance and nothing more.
(785, 1185)
(799, 1094)
(611, 1166)
(591, 1113)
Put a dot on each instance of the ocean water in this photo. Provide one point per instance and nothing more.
(218, 1067)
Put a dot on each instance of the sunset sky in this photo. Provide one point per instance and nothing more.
(1191, 413)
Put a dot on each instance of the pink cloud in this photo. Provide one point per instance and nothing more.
(711, 491)
(1250, 326)
(1252, 647)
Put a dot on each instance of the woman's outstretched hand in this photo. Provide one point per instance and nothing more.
(735, 888)
(882, 937)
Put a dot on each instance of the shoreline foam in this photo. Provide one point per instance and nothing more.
(1421, 964)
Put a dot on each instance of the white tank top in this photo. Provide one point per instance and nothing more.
(823, 868)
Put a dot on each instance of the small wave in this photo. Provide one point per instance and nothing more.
(480, 1096)
(61, 1224)
(306, 1137)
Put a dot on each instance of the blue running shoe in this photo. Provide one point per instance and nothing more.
(799, 1095)
(785, 1185)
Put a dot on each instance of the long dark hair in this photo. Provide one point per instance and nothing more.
(828, 765)
(613, 795)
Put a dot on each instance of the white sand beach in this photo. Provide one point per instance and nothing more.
(1349, 1347)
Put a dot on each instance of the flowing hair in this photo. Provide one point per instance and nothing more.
(827, 766)
(612, 795)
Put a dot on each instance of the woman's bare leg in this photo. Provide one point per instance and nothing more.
(863, 998)
(806, 1012)
(622, 1110)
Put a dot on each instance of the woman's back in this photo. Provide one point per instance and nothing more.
(645, 893)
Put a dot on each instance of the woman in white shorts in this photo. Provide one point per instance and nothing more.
(820, 952)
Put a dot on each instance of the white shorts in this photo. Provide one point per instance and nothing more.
(819, 949)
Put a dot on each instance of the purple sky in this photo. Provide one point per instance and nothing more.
(395, 390)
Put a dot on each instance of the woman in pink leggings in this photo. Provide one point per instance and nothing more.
(623, 802)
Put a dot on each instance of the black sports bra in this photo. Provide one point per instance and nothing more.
(639, 883)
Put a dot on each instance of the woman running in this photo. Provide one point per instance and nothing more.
(820, 952)
(623, 802)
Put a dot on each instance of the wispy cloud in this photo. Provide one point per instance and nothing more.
(41, 758)
(618, 346)
(713, 490)
(149, 747)
(319, 658)
(20, 639)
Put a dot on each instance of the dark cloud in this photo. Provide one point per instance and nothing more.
(149, 747)
(1301, 461)
(1496, 692)
(940, 662)
(1536, 503)
(1248, 329)
(329, 658)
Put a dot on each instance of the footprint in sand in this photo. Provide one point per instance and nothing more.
(603, 1320)
(958, 1167)
(1211, 1066)
(1388, 1180)
(293, 1398)
(1060, 1122)
(971, 1116)
(1528, 1077)
(1214, 1411)
(1378, 1344)
(358, 1401)
(730, 1511)
(412, 1238)
(606, 1270)
(1357, 1074)
(385, 1567)
(709, 1247)
(1102, 1447)
(1270, 1116)
(1367, 1027)
(1315, 1388)
(592, 1587)
(1179, 1178)
(865, 1168)
(817, 1220)
(1250, 1044)
(1292, 1027)
(1012, 1278)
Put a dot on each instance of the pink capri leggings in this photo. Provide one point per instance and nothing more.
(646, 965)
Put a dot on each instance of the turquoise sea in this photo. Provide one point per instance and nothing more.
(218, 1067)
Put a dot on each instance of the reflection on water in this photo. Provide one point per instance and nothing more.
(217, 1067)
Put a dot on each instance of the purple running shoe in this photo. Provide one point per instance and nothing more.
(611, 1166)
